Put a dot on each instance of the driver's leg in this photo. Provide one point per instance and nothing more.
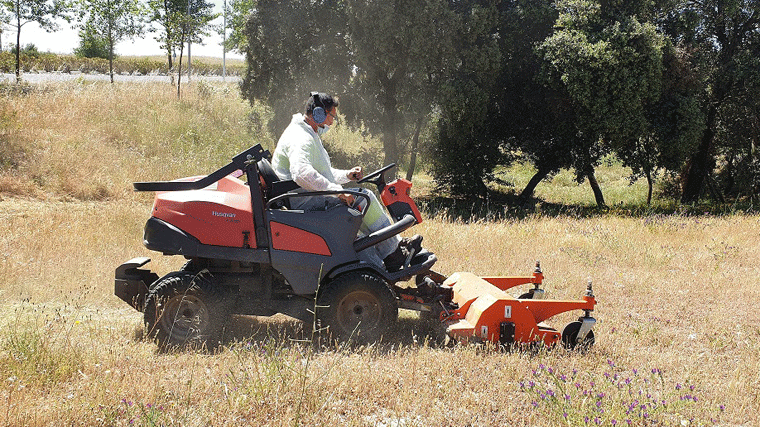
(375, 219)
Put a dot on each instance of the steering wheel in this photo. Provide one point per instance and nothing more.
(377, 177)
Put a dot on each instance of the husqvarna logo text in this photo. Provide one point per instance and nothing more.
(223, 214)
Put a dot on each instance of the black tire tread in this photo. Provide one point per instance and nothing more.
(345, 284)
(218, 305)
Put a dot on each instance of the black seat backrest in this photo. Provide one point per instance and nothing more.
(268, 175)
(273, 186)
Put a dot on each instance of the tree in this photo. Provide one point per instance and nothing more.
(43, 12)
(168, 14)
(238, 12)
(91, 46)
(193, 25)
(293, 48)
(4, 19)
(534, 119)
(111, 21)
(376, 56)
(398, 74)
(724, 33)
(468, 147)
(161, 14)
(606, 60)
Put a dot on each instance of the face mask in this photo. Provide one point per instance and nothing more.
(323, 129)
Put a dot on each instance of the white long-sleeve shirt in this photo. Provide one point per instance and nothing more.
(300, 156)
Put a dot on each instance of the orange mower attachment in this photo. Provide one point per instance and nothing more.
(487, 313)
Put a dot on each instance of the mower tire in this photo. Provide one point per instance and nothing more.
(184, 309)
(356, 306)
(570, 337)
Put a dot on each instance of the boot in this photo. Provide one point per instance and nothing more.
(414, 242)
(396, 259)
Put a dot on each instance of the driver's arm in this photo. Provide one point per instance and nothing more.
(305, 175)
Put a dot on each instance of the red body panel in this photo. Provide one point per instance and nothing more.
(287, 238)
(219, 214)
(398, 192)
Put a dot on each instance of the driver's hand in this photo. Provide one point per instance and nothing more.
(356, 173)
(347, 199)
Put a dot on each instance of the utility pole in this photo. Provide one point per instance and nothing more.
(189, 38)
(224, 42)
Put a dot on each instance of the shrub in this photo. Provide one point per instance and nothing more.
(92, 46)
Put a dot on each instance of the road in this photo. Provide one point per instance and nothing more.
(62, 77)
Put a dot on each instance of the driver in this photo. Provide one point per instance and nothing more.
(300, 156)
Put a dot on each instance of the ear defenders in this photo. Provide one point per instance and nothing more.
(318, 113)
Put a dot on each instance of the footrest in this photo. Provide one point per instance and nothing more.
(421, 263)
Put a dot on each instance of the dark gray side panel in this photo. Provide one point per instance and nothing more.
(337, 226)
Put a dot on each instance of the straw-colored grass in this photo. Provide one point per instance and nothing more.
(678, 337)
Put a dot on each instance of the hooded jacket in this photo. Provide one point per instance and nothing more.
(300, 156)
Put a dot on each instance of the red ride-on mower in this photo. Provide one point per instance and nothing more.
(249, 253)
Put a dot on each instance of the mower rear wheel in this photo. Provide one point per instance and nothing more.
(185, 309)
(570, 337)
(357, 306)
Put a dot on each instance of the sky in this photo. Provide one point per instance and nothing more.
(66, 39)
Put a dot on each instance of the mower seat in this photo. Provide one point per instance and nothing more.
(273, 187)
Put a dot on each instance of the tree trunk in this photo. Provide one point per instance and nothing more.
(700, 162)
(110, 48)
(18, 41)
(649, 187)
(389, 119)
(179, 71)
(595, 186)
(714, 190)
(754, 189)
(390, 141)
(169, 35)
(527, 192)
(415, 145)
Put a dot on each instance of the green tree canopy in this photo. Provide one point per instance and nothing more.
(92, 46)
(400, 53)
(724, 36)
(294, 48)
(43, 12)
(607, 64)
(111, 21)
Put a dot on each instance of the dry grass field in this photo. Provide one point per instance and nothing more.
(677, 339)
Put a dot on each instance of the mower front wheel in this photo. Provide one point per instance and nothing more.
(185, 309)
(570, 337)
(357, 306)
